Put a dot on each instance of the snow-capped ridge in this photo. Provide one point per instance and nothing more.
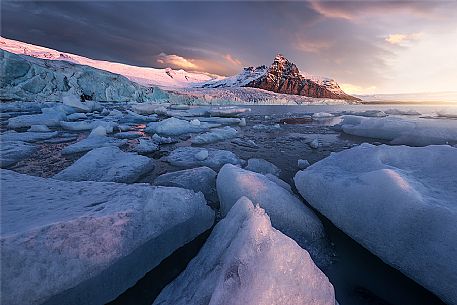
(168, 78)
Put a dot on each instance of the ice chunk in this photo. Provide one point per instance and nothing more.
(148, 108)
(29, 136)
(279, 182)
(66, 242)
(12, 152)
(221, 121)
(227, 111)
(402, 112)
(263, 167)
(399, 202)
(91, 142)
(107, 164)
(314, 143)
(302, 164)
(185, 157)
(146, 146)
(215, 135)
(367, 113)
(138, 118)
(128, 135)
(49, 117)
(246, 261)
(409, 131)
(318, 115)
(288, 214)
(98, 131)
(162, 140)
(39, 128)
(84, 125)
(174, 127)
(200, 179)
(245, 143)
(76, 116)
(195, 122)
(447, 114)
(202, 155)
(75, 103)
(262, 127)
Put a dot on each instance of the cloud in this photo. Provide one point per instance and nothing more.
(176, 61)
(313, 46)
(355, 89)
(351, 10)
(232, 60)
(398, 39)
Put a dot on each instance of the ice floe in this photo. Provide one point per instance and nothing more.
(62, 240)
(399, 202)
(29, 136)
(262, 166)
(227, 111)
(107, 164)
(216, 158)
(174, 127)
(88, 125)
(146, 146)
(48, 117)
(245, 143)
(246, 261)
(12, 152)
(199, 179)
(94, 140)
(409, 131)
(302, 164)
(215, 135)
(39, 128)
(288, 214)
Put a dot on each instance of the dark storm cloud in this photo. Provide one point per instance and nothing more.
(327, 38)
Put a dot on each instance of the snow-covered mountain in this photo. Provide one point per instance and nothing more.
(283, 77)
(240, 80)
(166, 78)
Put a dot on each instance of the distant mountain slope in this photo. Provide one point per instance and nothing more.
(283, 77)
(142, 75)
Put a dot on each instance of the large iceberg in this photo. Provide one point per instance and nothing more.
(85, 243)
(399, 202)
(107, 164)
(191, 157)
(288, 214)
(246, 261)
(409, 131)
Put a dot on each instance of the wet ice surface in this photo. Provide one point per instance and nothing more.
(279, 134)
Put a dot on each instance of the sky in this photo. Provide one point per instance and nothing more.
(366, 46)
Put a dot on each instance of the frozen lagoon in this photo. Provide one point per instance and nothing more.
(357, 275)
